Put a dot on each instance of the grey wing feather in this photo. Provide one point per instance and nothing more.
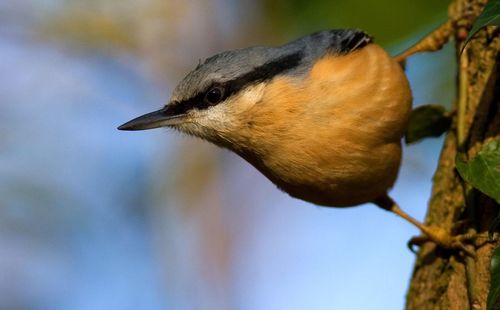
(345, 41)
(341, 41)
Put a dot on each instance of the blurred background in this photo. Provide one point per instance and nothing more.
(94, 218)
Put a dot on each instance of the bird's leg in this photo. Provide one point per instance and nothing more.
(437, 235)
(432, 42)
(435, 40)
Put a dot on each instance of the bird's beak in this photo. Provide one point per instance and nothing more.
(161, 118)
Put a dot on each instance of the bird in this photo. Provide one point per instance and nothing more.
(322, 117)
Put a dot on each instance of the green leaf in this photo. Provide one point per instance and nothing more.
(489, 16)
(427, 121)
(483, 171)
(495, 279)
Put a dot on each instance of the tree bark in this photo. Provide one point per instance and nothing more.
(447, 279)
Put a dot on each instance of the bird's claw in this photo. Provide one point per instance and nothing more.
(445, 240)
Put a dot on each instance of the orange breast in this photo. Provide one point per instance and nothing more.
(333, 138)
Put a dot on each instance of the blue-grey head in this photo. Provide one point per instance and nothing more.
(231, 82)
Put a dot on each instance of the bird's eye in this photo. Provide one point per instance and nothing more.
(214, 95)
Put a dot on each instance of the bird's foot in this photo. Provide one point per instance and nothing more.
(465, 242)
(435, 40)
(442, 238)
(432, 42)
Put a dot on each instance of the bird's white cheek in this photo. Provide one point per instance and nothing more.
(250, 96)
(210, 116)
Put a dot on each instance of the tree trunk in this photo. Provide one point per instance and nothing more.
(446, 279)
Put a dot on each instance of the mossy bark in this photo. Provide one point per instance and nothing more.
(446, 279)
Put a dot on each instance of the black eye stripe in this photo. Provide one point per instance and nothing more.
(259, 74)
(265, 72)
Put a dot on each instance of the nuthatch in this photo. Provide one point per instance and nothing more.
(322, 117)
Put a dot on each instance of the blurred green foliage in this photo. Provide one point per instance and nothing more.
(387, 20)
